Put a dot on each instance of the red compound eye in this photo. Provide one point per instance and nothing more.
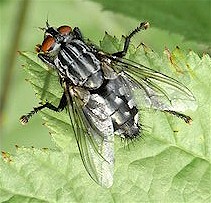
(64, 29)
(47, 43)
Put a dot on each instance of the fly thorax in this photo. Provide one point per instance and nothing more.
(78, 63)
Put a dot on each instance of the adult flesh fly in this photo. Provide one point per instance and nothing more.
(99, 94)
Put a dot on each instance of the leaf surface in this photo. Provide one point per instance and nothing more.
(170, 164)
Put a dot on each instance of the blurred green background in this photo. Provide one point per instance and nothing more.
(173, 23)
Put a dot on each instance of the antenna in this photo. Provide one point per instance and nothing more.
(47, 24)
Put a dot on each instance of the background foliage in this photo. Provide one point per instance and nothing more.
(170, 166)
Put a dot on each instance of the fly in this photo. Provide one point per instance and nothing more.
(99, 94)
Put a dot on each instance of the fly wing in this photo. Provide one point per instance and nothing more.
(154, 89)
(94, 134)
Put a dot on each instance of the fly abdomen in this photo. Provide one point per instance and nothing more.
(121, 107)
(76, 62)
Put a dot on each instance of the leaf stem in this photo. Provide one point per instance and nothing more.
(9, 65)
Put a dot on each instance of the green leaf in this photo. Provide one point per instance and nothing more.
(188, 18)
(170, 164)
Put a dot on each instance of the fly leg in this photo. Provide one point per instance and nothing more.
(142, 26)
(62, 104)
(78, 33)
(187, 119)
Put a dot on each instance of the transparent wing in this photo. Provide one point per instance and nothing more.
(94, 135)
(154, 89)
